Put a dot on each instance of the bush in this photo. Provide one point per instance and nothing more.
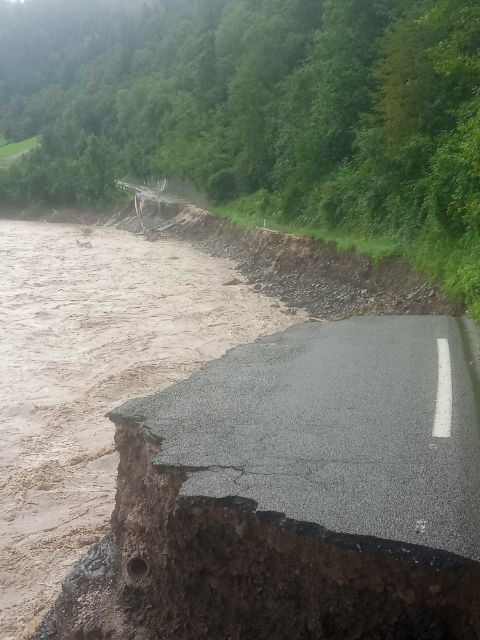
(222, 186)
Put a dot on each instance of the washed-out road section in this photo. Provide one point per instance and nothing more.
(365, 426)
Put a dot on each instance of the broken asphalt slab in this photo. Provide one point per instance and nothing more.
(331, 424)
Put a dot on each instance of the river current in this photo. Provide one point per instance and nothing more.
(88, 319)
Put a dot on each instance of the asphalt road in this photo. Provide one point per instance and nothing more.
(347, 424)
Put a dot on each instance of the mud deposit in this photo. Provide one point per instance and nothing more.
(87, 323)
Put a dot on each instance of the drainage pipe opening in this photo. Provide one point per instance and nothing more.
(137, 568)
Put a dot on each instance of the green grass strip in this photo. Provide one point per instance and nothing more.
(243, 214)
(10, 152)
(455, 264)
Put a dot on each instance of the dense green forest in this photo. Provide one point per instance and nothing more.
(357, 117)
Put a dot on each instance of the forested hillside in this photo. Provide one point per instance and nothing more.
(358, 116)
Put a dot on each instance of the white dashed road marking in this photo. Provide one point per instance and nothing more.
(442, 427)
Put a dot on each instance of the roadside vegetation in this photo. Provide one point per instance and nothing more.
(263, 210)
(354, 121)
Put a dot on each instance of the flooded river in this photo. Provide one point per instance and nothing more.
(87, 323)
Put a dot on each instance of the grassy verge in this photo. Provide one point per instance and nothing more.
(10, 152)
(3, 142)
(455, 264)
(251, 212)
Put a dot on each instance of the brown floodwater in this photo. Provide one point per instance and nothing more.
(87, 322)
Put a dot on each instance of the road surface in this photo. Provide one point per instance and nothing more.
(366, 426)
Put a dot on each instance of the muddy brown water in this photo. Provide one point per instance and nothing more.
(84, 328)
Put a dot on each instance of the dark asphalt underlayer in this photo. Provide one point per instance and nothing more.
(332, 424)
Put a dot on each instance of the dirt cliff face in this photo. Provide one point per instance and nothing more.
(202, 568)
(315, 275)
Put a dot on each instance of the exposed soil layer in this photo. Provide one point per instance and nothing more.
(203, 568)
(303, 272)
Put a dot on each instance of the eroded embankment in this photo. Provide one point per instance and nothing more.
(185, 567)
(304, 272)
(201, 548)
(188, 559)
